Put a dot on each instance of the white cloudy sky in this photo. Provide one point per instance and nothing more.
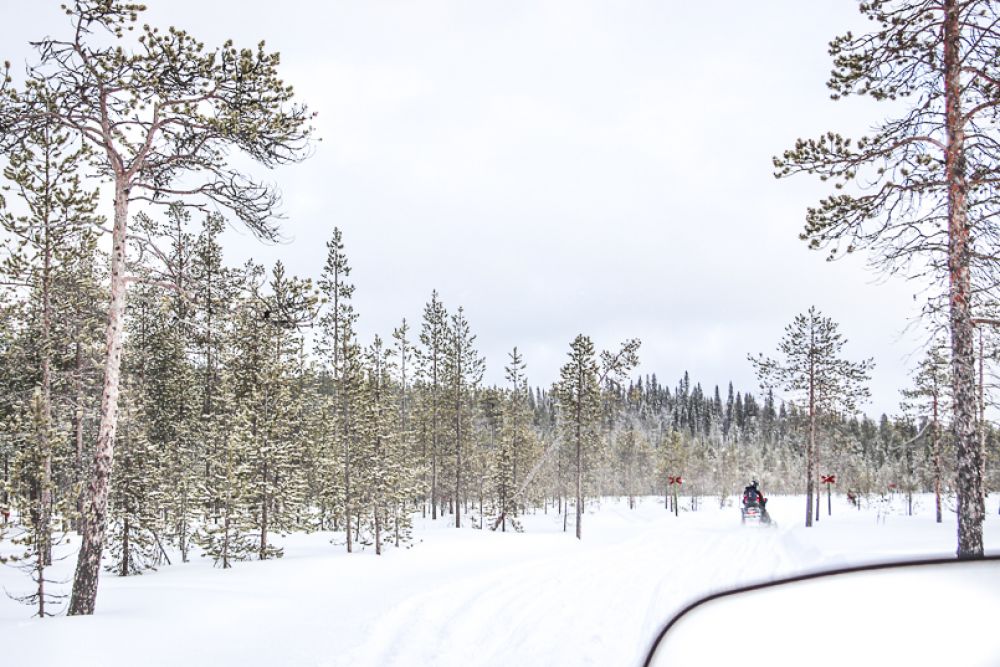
(564, 167)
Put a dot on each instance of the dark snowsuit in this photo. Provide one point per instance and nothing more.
(753, 496)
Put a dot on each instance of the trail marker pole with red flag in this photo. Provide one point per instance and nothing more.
(675, 483)
(829, 480)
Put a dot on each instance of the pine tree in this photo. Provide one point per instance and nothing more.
(928, 397)
(579, 397)
(813, 369)
(671, 460)
(339, 346)
(50, 225)
(463, 371)
(227, 533)
(514, 441)
(486, 447)
(434, 339)
(185, 107)
(924, 183)
(213, 290)
(33, 539)
(378, 438)
(134, 507)
(136, 504)
(407, 461)
(265, 344)
(171, 404)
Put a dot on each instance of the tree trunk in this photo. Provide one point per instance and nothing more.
(40, 575)
(982, 421)
(378, 529)
(434, 436)
(45, 436)
(579, 489)
(458, 446)
(811, 447)
(346, 434)
(78, 435)
(123, 570)
(937, 463)
(88, 564)
(434, 476)
(225, 539)
(263, 519)
(816, 477)
(971, 508)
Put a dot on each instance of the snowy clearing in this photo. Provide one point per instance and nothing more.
(465, 597)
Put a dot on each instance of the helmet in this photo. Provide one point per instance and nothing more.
(754, 484)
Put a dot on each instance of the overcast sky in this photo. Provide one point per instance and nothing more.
(564, 167)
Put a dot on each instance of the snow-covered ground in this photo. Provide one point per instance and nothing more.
(464, 597)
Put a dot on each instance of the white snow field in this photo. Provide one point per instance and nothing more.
(465, 597)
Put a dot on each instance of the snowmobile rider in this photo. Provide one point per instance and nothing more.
(753, 496)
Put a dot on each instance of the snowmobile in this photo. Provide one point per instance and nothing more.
(754, 513)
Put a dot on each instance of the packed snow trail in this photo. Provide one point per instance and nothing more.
(459, 597)
(594, 604)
